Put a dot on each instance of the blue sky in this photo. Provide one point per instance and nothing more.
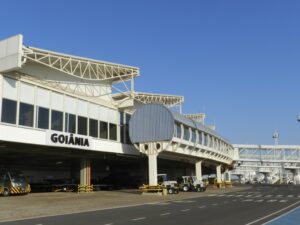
(237, 61)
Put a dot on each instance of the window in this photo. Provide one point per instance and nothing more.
(103, 130)
(205, 139)
(186, 134)
(93, 129)
(200, 138)
(112, 131)
(82, 125)
(56, 120)
(9, 111)
(211, 139)
(128, 140)
(70, 123)
(193, 136)
(26, 115)
(178, 130)
(42, 118)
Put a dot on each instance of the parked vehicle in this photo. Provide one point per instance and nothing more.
(13, 182)
(171, 186)
(191, 183)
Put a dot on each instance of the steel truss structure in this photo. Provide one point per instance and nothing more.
(83, 68)
(146, 98)
(199, 117)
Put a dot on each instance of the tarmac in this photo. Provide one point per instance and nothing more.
(36, 205)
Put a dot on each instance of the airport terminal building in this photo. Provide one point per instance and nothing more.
(64, 118)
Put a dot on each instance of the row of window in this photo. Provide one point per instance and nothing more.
(73, 124)
(192, 136)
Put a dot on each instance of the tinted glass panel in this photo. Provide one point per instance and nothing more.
(56, 120)
(128, 141)
(93, 128)
(42, 118)
(112, 131)
(186, 135)
(82, 125)
(70, 123)
(200, 138)
(178, 130)
(26, 115)
(103, 130)
(193, 136)
(9, 111)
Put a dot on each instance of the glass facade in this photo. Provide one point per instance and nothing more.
(103, 130)
(93, 128)
(56, 120)
(112, 132)
(26, 115)
(82, 125)
(9, 111)
(42, 118)
(70, 123)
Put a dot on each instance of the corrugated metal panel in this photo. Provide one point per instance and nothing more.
(152, 122)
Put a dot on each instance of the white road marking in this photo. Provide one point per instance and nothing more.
(211, 195)
(230, 195)
(283, 200)
(137, 219)
(248, 196)
(163, 203)
(239, 195)
(279, 196)
(220, 195)
(165, 214)
(290, 196)
(202, 206)
(104, 224)
(185, 210)
(257, 196)
(214, 204)
(189, 201)
(298, 196)
(272, 200)
(248, 200)
(260, 200)
(276, 212)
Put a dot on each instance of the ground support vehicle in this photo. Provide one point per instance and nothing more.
(13, 182)
(172, 187)
(191, 183)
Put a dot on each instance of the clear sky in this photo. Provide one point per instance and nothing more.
(237, 61)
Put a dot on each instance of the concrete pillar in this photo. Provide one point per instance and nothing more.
(198, 169)
(152, 169)
(85, 172)
(218, 173)
(227, 175)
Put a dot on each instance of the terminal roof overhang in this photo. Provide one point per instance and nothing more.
(148, 98)
(83, 68)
